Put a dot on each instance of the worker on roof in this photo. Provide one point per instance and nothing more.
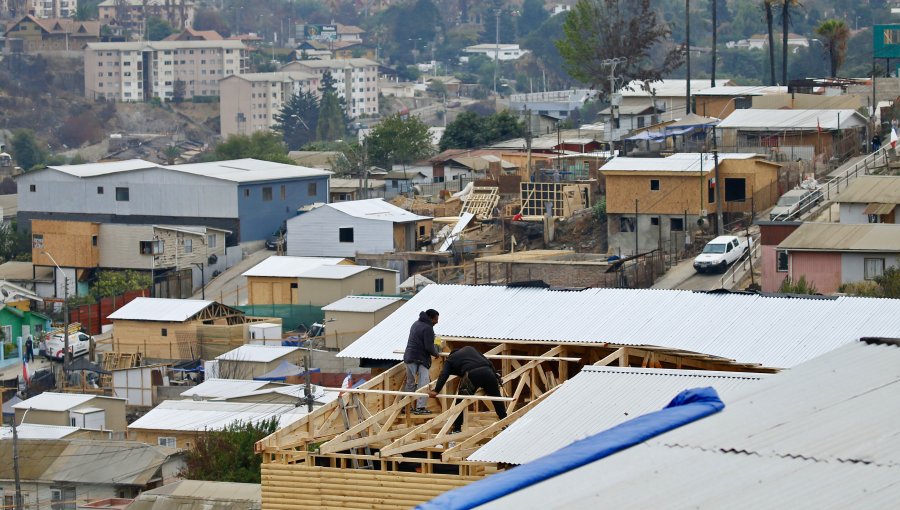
(420, 348)
(476, 372)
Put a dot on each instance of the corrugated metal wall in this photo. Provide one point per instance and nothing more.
(315, 234)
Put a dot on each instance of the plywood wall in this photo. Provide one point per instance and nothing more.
(69, 242)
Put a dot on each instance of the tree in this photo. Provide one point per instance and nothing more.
(785, 27)
(158, 29)
(26, 150)
(14, 245)
(211, 19)
(503, 126)
(595, 30)
(297, 120)
(470, 130)
(769, 5)
(533, 16)
(331, 122)
(116, 283)
(399, 140)
(260, 145)
(835, 33)
(228, 455)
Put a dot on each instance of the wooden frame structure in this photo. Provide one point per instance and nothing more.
(481, 202)
(566, 197)
(366, 450)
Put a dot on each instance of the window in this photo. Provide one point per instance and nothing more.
(121, 194)
(294, 285)
(781, 261)
(99, 190)
(211, 240)
(311, 189)
(345, 235)
(168, 442)
(152, 247)
(267, 194)
(874, 218)
(379, 284)
(873, 268)
(188, 245)
(735, 190)
(283, 192)
(246, 193)
(94, 241)
(164, 332)
(32, 188)
(37, 241)
(626, 224)
(421, 230)
(676, 224)
(654, 184)
(654, 221)
(62, 498)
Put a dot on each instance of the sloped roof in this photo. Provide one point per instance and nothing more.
(667, 88)
(63, 26)
(820, 435)
(22, 271)
(753, 119)
(682, 162)
(884, 189)
(216, 388)
(257, 353)
(862, 237)
(339, 272)
(51, 401)
(193, 415)
(165, 45)
(160, 309)
(376, 209)
(599, 398)
(748, 328)
(290, 267)
(361, 304)
(249, 170)
(105, 168)
(200, 495)
(37, 431)
(737, 90)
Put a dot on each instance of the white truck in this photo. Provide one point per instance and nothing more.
(720, 253)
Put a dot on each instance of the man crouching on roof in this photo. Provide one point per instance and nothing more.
(420, 348)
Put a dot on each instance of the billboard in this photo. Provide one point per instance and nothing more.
(886, 42)
(320, 32)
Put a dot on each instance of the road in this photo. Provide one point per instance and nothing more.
(683, 276)
(230, 288)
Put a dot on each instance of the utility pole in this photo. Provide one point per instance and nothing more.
(687, 47)
(307, 390)
(712, 78)
(496, 47)
(613, 102)
(65, 354)
(19, 503)
(720, 227)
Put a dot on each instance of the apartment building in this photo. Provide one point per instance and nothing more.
(249, 102)
(54, 8)
(131, 14)
(356, 80)
(137, 71)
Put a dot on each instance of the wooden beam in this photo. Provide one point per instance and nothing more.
(417, 394)
(616, 354)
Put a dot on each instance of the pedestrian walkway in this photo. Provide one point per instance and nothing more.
(230, 288)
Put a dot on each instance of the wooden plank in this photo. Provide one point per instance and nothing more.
(416, 394)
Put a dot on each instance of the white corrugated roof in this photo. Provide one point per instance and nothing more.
(376, 209)
(737, 90)
(778, 332)
(257, 353)
(752, 119)
(293, 390)
(37, 431)
(50, 401)
(682, 162)
(666, 88)
(289, 267)
(249, 170)
(338, 272)
(360, 304)
(216, 388)
(822, 435)
(112, 167)
(599, 398)
(197, 415)
(160, 309)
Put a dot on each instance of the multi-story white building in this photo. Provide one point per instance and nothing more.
(54, 8)
(132, 14)
(137, 71)
(249, 102)
(356, 80)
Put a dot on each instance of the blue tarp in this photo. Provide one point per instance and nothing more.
(687, 406)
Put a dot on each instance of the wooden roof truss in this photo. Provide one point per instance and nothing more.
(218, 311)
(481, 202)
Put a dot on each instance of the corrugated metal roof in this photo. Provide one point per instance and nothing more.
(376, 209)
(37, 431)
(869, 237)
(292, 390)
(112, 167)
(249, 170)
(160, 309)
(339, 272)
(50, 401)
(289, 267)
(822, 435)
(872, 188)
(216, 388)
(360, 304)
(737, 90)
(666, 88)
(772, 331)
(197, 415)
(682, 162)
(200, 495)
(257, 353)
(599, 398)
(752, 119)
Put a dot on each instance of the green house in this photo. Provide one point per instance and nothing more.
(15, 323)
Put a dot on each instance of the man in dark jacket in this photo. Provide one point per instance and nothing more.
(477, 371)
(420, 348)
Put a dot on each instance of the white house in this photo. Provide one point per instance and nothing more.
(345, 228)
(498, 51)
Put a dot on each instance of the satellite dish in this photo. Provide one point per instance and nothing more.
(4, 292)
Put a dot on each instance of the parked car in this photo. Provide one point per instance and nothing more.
(794, 203)
(79, 345)
(275, 237)
(720, 253)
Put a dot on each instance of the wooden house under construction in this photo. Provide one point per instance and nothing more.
(366, 450)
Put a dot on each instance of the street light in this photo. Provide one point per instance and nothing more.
(65, 355)
(202, 280)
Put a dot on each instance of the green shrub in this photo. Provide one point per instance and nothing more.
(801, 286)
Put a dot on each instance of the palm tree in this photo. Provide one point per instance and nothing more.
(712, 78)
(768, 4)
(835, 34)
(785, 26)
